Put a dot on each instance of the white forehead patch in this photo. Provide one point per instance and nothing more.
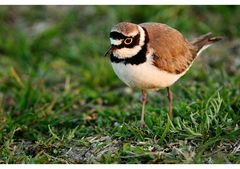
(115, 41)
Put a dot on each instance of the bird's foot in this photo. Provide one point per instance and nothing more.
(143, 125)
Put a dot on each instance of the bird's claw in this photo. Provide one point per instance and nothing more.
(143, 125)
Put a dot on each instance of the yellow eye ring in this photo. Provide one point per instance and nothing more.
(128, 41)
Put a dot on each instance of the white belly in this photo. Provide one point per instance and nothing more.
(144, 76)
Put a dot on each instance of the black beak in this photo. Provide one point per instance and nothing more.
(109, 51)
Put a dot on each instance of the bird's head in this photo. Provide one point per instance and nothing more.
(126, 40)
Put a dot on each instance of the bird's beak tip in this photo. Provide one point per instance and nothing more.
(109, 51)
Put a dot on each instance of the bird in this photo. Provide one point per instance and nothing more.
(153, 56)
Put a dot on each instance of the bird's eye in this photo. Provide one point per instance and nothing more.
(128, 41)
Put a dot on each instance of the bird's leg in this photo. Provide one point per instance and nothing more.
(144, 101)
(170, 103)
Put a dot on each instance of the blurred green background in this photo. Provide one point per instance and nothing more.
(59, 94)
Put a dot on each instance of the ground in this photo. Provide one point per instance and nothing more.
(60, 101)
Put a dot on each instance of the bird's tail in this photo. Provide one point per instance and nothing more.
(204, 41)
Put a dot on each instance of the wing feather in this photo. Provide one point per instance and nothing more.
(172, 52)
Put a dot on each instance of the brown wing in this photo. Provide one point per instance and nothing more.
(172, 52)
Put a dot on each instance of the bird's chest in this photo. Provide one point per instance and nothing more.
(128, 73)
(144, 75)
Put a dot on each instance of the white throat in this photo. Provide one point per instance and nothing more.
(129, 52)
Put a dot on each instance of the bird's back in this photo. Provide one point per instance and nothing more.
(172, 52)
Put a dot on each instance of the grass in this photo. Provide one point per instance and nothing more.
(60, 101)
